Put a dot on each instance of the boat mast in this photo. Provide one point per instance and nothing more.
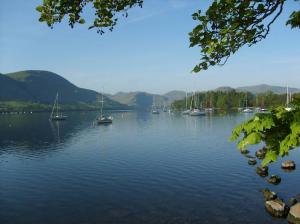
(53, 108)
(191, 104)
(186, 103)
(101, 109)
(246, 100)
(57, 104)
(287, 96)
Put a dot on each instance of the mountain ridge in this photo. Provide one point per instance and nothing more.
(40, 86)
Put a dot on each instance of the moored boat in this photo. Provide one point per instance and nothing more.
(56, 115)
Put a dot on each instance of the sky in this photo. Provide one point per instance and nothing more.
(147, 51)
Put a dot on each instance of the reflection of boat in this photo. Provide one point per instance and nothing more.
(56, 115)
(154, 108)
(104, 119)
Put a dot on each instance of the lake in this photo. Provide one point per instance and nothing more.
(143, 168)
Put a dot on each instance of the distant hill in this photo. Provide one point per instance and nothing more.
(267, 88)
(144, 101)
(224, 89)
(139, 100)
(41, 87)
(174, 95)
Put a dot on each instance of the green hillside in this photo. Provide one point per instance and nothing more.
(40, 87)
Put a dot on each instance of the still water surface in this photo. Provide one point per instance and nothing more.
(143, 168)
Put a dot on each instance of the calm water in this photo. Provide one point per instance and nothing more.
(142, 169)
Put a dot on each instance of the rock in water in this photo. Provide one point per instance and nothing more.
(269, 195)
(262, 171)
(274, 179)
(249, 156)
(252, 161)
(288, 165)
(261, 153)
(294, 214)
(277, 208)
(244, 151)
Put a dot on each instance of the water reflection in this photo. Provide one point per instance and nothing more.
(143, 168)
(37, 132)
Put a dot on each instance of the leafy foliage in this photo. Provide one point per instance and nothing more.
(279, 130)
(227, 25)
(106, 12)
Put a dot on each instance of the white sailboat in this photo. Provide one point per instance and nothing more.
(186, 111)
(196, 111)
(154, 108)
(288, 100)
(104, 119)
(165, 108)
(56, 115)
(210, 107)
(247, 110)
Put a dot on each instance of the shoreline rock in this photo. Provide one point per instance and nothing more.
(288, 165)
(277, 208)
(261, 153)
(252, 162)
(294, 214)
(262, 171)
(292, 201)
(274, 179)
(244, 151)
(269, 195)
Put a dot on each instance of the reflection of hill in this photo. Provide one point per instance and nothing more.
(36, 132)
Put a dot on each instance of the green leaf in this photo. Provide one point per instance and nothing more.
(81, 21)
(271, 156)
(39, 8)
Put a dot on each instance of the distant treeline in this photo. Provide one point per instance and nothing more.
(233, 99)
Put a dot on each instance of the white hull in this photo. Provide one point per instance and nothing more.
(105, 120)
(247, 110)
(186, 112)
(197, 112)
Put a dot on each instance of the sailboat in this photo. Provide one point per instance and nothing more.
(104, 119)
(154, 108)
(247, 110)
(56, 115)
(165, 108)
(262, 107)
(210, 107)
(288, 99)
(186, 111)
(196, 111)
